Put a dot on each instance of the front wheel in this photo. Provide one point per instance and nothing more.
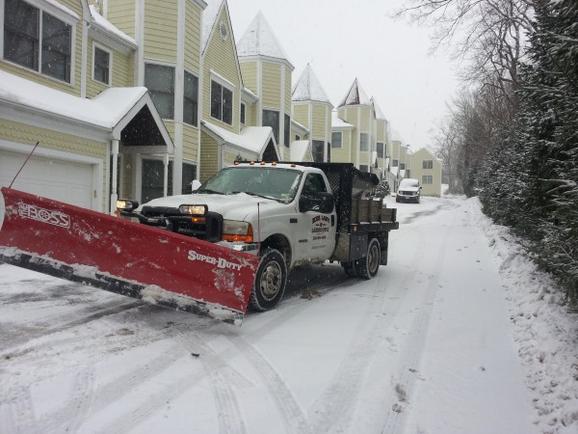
(368, 266)
(270, 281)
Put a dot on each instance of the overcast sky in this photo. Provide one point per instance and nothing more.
(347, 39)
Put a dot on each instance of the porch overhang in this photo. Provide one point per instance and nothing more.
(104, 118)
(251, 139)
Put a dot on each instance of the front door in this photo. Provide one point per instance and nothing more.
(317, 228)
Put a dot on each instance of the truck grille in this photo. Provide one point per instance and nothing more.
(211, 229)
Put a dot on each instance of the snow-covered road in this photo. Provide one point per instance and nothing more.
(428, 346)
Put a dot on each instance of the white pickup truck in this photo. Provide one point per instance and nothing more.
(288, 214)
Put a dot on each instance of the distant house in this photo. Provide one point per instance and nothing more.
(226, 135)
(381, 134)
(267, 72)
(364, 130)
(312, 108)
(425, 167)
(342, 149)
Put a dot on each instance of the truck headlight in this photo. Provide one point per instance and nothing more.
(236, 231)
(193, 209)
(126, 205)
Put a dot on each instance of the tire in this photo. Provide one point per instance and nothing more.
(270, 281)
(349, 268)
(368, 266)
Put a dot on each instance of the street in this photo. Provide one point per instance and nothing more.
(427, 346)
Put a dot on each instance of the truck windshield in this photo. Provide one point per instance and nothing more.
(271, 183)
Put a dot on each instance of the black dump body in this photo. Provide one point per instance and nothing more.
(348, 185)
(360, 215)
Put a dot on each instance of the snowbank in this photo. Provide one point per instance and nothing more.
(545, 332)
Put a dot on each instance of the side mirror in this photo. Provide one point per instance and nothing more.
(321, 202)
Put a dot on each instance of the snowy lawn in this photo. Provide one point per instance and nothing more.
(458, 334)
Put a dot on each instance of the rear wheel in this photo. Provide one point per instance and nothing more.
(270, 281)
(368, 266)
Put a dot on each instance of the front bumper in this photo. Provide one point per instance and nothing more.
(251, 248)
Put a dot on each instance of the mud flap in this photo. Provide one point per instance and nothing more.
(131, 259)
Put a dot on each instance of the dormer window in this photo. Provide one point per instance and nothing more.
(221, 103)
(223, 31)
(37, 40)
(102, 65)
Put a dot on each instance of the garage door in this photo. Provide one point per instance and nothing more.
(65, 181)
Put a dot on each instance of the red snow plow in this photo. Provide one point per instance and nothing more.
(131, 259)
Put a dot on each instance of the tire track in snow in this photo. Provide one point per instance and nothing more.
(292, 413)
(227, 406)
(331, 411)
(408, 363)
(19, 410)
(23, 346)
(213, 366)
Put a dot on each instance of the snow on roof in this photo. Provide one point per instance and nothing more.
(308, 87)
(337, 122)
(378, 113)
(108, 27)
(210, 15)
(355, 95)
(253, 139)
(250, 93)
(299, 150)
(259, 40)
(298, 125)
(105, 111)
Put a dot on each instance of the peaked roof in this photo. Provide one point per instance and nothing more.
(355, 96)
(378, 113)
(308, 87)
(210, 15)
(259, 40)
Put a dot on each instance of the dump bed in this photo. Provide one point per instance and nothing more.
(354, 195)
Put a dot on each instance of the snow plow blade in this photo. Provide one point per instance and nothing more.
(155, 265)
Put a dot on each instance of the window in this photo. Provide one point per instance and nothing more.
(189, 174)
(25, 45)
(313, 185)
(401, 166)
(336, 139)
(101, 62)
(395, 163)
(427, 164)
(380, 150)
(364, 168)
(317, 150)
(271, 119)
(243, 108)
(160, 81)
(191, 100)
(221, 103)
(287, 135)
(427, 179)
(364, 142)
(56, 37)
(153, 175)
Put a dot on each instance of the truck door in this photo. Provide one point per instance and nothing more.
(317, 228)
